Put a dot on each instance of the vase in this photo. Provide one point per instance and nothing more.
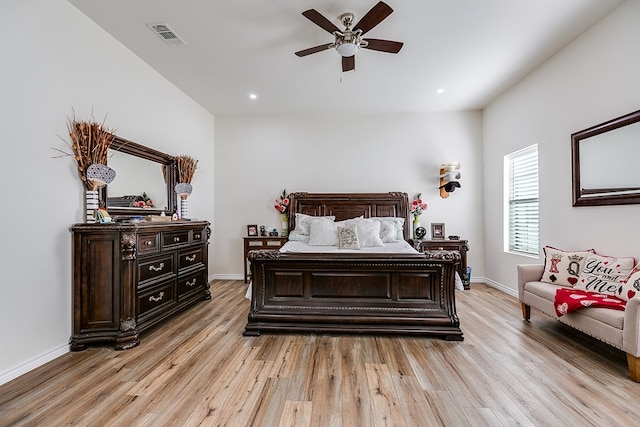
(285, 226)
(183, 208)
(91, 205)
(416, 224)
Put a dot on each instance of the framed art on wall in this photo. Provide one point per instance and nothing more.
(437, 230)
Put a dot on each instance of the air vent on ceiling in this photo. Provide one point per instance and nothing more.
(166, 33)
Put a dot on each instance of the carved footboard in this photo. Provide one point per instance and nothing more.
(394, 294)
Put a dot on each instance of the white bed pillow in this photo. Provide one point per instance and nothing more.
(297, 237)
(369, 233)
(303, 222)
(323, 232)
(397, 221)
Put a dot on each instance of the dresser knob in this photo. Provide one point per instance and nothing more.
(148, 243)
(176, 239)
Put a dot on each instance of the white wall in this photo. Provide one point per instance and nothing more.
(257, 157)
(592, 80)
(55, 60)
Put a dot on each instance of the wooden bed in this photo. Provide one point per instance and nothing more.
(408, 294)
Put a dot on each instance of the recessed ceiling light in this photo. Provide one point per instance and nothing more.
(253, 96)
(439, 91)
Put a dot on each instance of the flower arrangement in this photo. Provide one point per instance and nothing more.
(143, 201)
(417, 206)
(282, 203)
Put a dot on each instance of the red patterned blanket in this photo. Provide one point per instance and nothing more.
(568, 300)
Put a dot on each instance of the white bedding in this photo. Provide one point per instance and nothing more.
(398, 247)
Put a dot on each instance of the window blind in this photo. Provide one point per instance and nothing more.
(523, 201)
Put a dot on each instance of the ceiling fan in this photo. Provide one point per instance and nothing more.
(348, 41)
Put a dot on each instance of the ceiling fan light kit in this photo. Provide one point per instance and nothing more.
(349, 41)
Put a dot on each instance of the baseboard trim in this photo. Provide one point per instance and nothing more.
(227, 277)
(502, 288)
(33, 363)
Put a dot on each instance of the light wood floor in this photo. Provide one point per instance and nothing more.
(198, 369)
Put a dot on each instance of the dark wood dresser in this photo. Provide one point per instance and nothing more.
(129, 277)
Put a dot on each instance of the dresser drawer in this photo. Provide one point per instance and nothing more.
(190, 258)
(198, 236)
(155, 299)
(148, 243)
(153, 268)
(441, 246)
(176, 238)
(191, 284)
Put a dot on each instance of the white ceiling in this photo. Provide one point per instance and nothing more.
(474, 49)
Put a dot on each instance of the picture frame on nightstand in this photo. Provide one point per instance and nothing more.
(437, 230)
(252, 230)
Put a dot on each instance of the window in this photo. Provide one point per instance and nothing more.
(521, 185)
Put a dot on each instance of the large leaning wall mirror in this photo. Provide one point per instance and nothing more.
(142, 175)
(605, 163)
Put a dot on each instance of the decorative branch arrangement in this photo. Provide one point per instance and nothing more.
(90, 142)
(187, 167)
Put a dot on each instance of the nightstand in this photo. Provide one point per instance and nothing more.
(257, 242)
(448, 245)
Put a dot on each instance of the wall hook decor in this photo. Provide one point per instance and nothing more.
(449, 176)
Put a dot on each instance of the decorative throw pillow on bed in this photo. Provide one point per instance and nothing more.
(604, 274)
(399, 225)
(303, 222)
(631, 285)
(369, 233)
(388, 231)
(323, 232)
(348, 237)
(563, 268)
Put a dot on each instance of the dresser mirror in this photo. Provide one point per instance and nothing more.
(142, 175)
(604, 163)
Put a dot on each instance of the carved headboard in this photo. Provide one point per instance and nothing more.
(350, 205)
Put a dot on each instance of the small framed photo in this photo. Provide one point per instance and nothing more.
(437, 230)
(252, 230)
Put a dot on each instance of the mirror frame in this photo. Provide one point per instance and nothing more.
(134, 149)
(579, 198)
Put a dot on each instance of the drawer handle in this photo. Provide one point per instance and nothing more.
(192, 283)
(159, 298)
(196, 236)
(159, 268)
(176, 239)
(190, 258)
(148, 243)
(440, 248)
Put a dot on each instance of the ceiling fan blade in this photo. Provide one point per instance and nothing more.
(376, 15)
(322, 22)
(348, 63)
(314, 49)
(388, 46)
